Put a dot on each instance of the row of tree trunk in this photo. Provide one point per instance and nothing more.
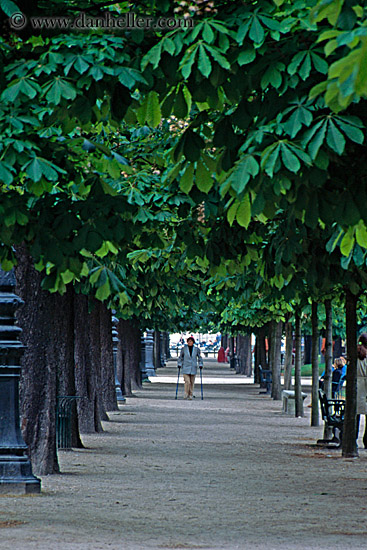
(68, 351)
(271, 360)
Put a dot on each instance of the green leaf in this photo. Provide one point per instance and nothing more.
(192, 145)
(271, 76)
(300, 116)
(208, 33)
(5, 174)
(269, 158)
(347, 243)
(9, 8)
(361, 234)
(95, 274)
(149, 111)
(243, 213)
(256, 30)
(231, 214)
(320, 64)
(187, 179)
(353, 133)
(204, 65)
(246, 56)
(317, 141)
(103, 291)
(335, 138)
(290, 160)
(318, 89)
(204, 181)
(296, 61)
(187, 62)
(218, 57)
(305, 68)
(60, 88)
(153, 57)
(246, 168)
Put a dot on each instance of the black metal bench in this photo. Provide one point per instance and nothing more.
(64, 409)
(332, 412)
(266, 379)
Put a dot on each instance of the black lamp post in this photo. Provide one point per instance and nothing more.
(119, 386)
(15, 467)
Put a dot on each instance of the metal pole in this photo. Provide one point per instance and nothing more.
(16, 475)
(149, 362)
(119, 386)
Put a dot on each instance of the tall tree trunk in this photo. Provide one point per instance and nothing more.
(337, 351)
(257, 361)
(349, 429)
(288, 356)
(244, 354)
(86, 378)
(120, 358)
(297, 369)
(224, 341)
(315, 367)
(276, 388)
(95, 348)
(271, 338)
(157, 349)
(262, 347)
(38, 382)
(308, 349)
(107, 367)
(130, 338)
(43, 318)
(167, 346)
(231, 350)
(328, 348)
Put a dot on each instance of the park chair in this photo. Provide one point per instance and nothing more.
(332, 412)
(266, 379)
(337, 389)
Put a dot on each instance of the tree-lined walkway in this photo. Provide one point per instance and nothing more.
(227, 472)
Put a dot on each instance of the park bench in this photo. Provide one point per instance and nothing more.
(64, 409)
(332, 412)
(266, 379)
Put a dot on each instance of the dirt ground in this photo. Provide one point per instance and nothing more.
(227, 472)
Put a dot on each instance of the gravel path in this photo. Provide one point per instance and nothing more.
(231, 471)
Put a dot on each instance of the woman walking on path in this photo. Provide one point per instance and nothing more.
(189, 359)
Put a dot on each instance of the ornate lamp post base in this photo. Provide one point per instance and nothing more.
(15, 467)
(16, 476)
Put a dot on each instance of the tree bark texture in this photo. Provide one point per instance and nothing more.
(262, 347)
(224, 341)
(288, 356)
(38, 383)
(107, 367)
(244, 354)
(349, 430)
(337, 351)
(87, 380)
(276, 388)
(297, 369)
(307, 359)
(315, 366)
(256, 361)
(157, 350)
(130, 338)
(120, 360)
(328, 348)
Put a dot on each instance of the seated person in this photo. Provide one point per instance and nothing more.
(340, 369)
